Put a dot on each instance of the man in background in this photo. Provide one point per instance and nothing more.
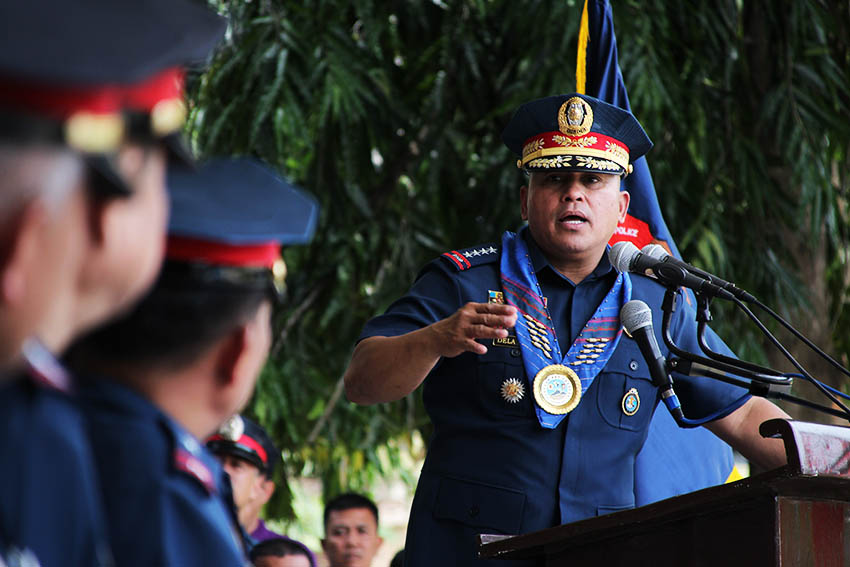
(282, 552)
(351, 531)
(249, 457)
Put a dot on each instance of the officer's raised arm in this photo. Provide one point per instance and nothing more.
(385, 369)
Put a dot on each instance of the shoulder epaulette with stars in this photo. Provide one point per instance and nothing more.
(464, 259)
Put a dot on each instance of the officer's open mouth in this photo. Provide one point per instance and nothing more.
(572, 219)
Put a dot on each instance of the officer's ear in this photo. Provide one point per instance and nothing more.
(623, 204)
(268, 489)
(19, 249)
(232, 349)
(523, 202)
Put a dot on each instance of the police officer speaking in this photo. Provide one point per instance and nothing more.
(539, 402)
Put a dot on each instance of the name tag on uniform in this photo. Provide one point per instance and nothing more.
(506, 342)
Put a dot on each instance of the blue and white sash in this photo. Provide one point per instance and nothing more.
(553, 377)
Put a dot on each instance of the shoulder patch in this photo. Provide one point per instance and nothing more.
(464, 259)
(188, 463)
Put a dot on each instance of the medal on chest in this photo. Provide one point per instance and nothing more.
(557, 389)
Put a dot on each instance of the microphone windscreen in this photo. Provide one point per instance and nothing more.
(635, 314)
(654, 251)
(621, 255)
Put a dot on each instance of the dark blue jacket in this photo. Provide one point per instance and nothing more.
(490, 467)
(163, 492)
(49, 502)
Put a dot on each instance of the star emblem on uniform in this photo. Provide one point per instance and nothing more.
(512, 390)
(491, 250)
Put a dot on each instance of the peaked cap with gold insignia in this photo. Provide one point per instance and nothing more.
(575, 132)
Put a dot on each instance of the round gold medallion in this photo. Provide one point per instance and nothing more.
(575, 117)
(557, 389)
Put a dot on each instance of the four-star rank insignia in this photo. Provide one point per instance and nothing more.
(512, 390)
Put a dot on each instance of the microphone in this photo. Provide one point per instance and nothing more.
(636, 317)
(660, 254)
(625, 257)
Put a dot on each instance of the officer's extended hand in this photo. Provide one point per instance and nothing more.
(456, 334)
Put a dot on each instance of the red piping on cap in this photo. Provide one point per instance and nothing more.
(245, 441)
(198, 250)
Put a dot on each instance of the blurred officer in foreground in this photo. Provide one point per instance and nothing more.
(185, 359)
(351, 531)
(90, 102)
(249, 457)
(282, 552)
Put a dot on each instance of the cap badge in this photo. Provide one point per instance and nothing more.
(168, 116)
(575, 117)
(631, 402)
(94, 133)
(512, 390)
(233, 428)
(279, 272)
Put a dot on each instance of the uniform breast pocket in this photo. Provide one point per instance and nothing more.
(626, 396)
(502, 387)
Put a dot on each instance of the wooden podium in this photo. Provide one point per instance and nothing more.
(798, 515)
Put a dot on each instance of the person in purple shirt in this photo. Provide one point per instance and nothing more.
(249, 457)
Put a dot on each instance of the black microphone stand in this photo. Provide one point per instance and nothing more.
(718, 366)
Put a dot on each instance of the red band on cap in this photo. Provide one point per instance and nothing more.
(58, 102)
(245, 441)
(593, 140)
(62, 101)
(197, 250)
(143, 96)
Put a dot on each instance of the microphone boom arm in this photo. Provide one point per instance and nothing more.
(703, 317)
(760, 385)
(668, 307)
(760, 389)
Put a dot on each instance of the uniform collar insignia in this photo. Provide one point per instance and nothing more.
(193, 466)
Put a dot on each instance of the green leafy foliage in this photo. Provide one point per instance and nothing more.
(390, 113)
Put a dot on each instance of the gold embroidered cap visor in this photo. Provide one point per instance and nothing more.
(575, 132)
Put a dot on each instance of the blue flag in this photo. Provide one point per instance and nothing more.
(673, 460)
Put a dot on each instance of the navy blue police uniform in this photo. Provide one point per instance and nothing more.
(50, 511)
(165, 494)
(491, 467)
(118, 63)
(167, 499)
